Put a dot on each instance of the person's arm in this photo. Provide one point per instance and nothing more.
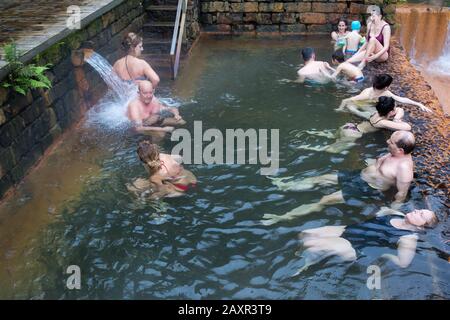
(363, 114)
(407, 101)
(328, 67)
(138, 124)
(393, 125)
(301, 77)
(364, 95)
(386, 211)
(334, 36)
(399, 114)
(406, 250)
(151, 74)
(404, 178)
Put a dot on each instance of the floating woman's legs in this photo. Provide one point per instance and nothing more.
(305, 209)
(305, 184)
(324, 242)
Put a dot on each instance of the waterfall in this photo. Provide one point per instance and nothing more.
(442, 64)
(122, 88)
(110, 111)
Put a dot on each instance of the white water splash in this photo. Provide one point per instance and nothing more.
(110, 111)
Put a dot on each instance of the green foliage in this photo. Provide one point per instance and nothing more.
(23, 77)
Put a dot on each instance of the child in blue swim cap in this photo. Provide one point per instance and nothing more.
(353, 40)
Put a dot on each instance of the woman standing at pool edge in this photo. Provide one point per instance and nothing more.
(376, 47)
(132, 69)
(339, 36)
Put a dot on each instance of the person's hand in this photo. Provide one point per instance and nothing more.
(168, 129)
(424, 108)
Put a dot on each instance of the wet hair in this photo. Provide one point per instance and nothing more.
(307, 53)
(338, 55)
(382, 81)
(385, 105)
(149, 154)
(130, 41)
(406, 144)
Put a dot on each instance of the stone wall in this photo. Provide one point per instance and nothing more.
(30, 124)
(274, 16)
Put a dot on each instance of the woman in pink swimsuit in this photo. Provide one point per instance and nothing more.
(376, 47)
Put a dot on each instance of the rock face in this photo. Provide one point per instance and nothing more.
(30, 123)
(308, 16)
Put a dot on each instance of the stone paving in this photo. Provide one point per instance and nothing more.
(31, 23)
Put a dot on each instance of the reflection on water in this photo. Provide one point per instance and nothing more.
(424, 32)
(209, 244)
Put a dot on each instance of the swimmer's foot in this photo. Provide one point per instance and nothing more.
(304, 184)
(297, 212)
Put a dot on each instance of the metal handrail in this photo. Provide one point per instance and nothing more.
(177, 37)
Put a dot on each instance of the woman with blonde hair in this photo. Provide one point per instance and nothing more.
(131, 68)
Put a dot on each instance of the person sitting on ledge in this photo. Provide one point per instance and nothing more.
(402, 232)
(146, 112)
(132, 69)
(352, 72)
(168, 178)
(387, 117)
(376, 48)
(394, 169)
(313, 71)
(362, 104)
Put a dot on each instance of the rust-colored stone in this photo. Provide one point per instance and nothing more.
(358, 8)
(312, 17)
(329, 7)
(297, 7)
(250, 7)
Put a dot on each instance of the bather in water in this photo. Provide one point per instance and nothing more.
(393, 170)
(148, 115)
(131, 68)
(168, 178)
(387, 117)
(313, 71)
(362, 105)
(341, 241)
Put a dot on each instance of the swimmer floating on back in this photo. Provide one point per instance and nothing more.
(323, 242)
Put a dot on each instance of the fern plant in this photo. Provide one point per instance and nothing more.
(23, 77)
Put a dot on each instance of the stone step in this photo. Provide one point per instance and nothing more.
(168, 24)
(161, 8)
(161, 16)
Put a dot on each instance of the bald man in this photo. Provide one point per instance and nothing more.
(394, 170)
(145, 112)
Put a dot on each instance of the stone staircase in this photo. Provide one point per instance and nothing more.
(157, 34)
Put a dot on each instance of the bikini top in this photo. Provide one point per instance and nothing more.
(131, 78)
